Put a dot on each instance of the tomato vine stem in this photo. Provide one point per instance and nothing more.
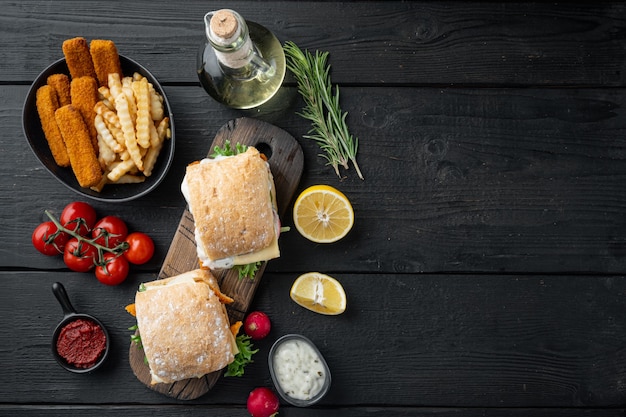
(117, 250)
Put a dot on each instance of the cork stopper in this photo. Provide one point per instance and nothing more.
(224, 24)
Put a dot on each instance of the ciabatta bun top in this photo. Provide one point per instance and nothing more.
(233, 205)
(184, 327)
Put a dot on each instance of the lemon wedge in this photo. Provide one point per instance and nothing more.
(319, 293)
(323, 214)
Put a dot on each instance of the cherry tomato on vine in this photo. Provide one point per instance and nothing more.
(79, 256)
(73, 213)
(109, 231)
(114, 270)
(140, 248)
(47, 239)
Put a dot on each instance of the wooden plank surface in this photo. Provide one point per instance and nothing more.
(486, 271)
(203, 411)
(440, 43)
(466, 180)
(427, 340)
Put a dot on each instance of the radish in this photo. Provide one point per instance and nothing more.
(262, 402)
(257, 325)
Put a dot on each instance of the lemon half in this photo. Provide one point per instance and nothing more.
(323, 214)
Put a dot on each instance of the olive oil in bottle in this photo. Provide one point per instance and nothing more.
(242, 64)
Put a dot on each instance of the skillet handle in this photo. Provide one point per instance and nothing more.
(59, 292)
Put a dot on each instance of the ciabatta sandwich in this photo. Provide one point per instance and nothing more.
(233, 203)
(184, 327)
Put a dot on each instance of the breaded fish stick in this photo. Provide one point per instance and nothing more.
(105, 59)
(79, 148)
(47, 104)
(78, 58)
(61, 84)
(84, 92)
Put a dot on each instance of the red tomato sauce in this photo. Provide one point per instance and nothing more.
(81, 343)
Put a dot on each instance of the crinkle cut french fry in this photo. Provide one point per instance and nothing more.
(156, 104)
(115, 85)
(107, 114)
(105, 134)
(156, 143)
(106, 98)
(132, 106)
(112, 122)
(118, 135)
(158, 135)
(130, 179)
(121, 104)
(154, 135)
(106, 156)
(119, 169)
(143, 121)
(163, 129)
(151, 158)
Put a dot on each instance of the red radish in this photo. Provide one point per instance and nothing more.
(257, 325)
(262, 402)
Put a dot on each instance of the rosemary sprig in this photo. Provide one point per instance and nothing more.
(329, 128)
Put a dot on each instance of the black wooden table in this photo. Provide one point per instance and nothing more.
(485, 271)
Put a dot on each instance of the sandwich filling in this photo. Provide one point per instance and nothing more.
(232, 200)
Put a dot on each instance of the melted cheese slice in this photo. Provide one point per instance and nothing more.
(188, 277)
(270, 252)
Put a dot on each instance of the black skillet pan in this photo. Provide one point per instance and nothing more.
(70, 315)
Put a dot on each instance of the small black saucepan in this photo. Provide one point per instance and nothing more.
(82, 337)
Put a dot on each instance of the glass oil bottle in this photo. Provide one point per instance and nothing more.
(242, 64)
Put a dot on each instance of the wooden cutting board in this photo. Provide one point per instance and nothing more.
(286, 162)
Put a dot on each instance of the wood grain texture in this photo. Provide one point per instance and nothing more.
(423, 43)
(203, 411)
(463, 180)
(485, 272)
(427, 340)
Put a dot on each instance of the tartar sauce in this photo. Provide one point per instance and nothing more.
(298, 369)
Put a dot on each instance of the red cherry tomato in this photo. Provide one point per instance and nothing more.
(79, 217)
(114, 271)
(79, 256)
(140, 248)
(109, 231)
(48, 240)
